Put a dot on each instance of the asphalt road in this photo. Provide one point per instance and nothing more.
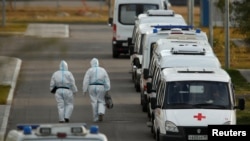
(40, 57)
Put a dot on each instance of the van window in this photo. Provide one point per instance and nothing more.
(128, 12)
(197, 94)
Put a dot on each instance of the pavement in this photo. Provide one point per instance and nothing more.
(9, 70)
(10, 66)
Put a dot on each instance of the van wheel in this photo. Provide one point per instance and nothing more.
(142, 100)
(144, 107)
(157, 136)
(152, 127)
(149, 114)
(144, 104)
(137, 85)
(115, 53)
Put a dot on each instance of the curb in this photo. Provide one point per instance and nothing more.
(9, 99)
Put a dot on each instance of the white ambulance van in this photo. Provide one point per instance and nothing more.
(145, 23)
(186, 56)
(123, 20)
(185, 103)
(177, 59)
(55, 132)
(192, 42)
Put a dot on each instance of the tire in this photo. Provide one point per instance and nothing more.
(133, 75)
(144, 107)
(144, 104)
(157, 136)
(142, 101)
(152, 127)
(115, 52)
(137, 85)
(149, 114)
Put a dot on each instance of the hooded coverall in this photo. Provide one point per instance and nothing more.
(96, 82)
(64, 95)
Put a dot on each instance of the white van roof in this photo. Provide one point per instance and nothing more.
(144, 28)
(189, 61)
(182, 45)
(196, 74)
(142, 1)
(177, 19)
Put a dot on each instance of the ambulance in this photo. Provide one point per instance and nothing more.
(184, 105)
(55, 132)
(177, 42)
(123, 21)
(145, 23)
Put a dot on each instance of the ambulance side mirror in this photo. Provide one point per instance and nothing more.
(241, 104)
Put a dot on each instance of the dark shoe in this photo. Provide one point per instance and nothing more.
(66, 120)
(61, 121)
(100, 117)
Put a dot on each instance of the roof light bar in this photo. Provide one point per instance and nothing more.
(159, 12)
(22, 126)
(94, 129)
(168, 27)
(188, 50)
(27, 130)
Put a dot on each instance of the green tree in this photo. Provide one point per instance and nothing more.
(242, 17)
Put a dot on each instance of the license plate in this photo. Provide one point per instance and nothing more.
(197, 137)
(124, 44)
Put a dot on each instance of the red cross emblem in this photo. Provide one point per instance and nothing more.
(199, 116)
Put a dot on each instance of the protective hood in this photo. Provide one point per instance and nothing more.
(63, 66)
(94, 62)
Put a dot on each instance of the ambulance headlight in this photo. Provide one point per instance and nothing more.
(171, 127)
(21, 126)
(94, 129)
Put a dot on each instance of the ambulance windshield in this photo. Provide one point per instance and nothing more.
(197, 94)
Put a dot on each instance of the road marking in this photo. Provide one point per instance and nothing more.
(48, 30)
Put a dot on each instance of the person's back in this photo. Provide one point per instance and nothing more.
(64, 82)
(96, 82)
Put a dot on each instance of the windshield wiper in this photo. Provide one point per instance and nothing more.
(209, 105)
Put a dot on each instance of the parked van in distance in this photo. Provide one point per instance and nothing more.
(123, 20)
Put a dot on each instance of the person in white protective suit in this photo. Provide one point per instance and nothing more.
(96, 82)
(64, 80)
